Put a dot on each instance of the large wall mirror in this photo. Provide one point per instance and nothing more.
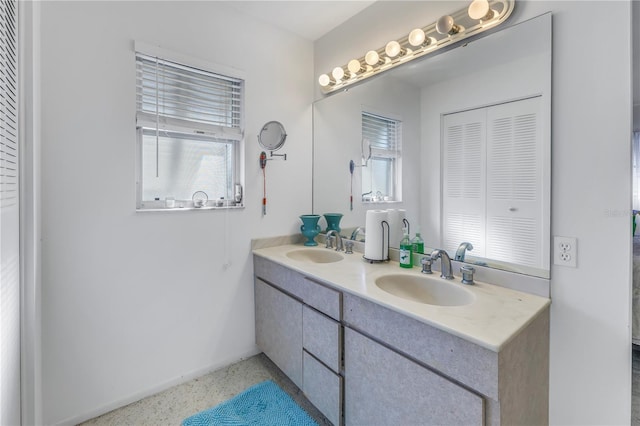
(428, 138)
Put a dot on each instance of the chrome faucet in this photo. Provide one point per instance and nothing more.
(354, 234)
(445, 263)
(338, 239)
(462, 250)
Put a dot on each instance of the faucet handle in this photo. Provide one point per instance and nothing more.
(426, 265)
(329, 242)
(348, 247)
(467, 274)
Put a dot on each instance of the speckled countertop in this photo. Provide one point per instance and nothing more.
(495, 316)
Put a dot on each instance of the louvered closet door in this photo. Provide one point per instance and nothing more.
(464, 176)
(514, 183)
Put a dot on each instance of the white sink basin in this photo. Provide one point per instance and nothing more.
(315, 255)
(427, 290)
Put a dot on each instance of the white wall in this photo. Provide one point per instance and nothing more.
(590, 377)
(134, 301)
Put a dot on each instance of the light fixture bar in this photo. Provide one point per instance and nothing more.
(480, 16)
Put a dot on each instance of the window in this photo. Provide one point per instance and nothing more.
(381, 138)
(189, 126)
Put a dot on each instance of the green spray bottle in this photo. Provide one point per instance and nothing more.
(406, 251)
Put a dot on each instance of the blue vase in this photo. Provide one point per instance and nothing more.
(310, 228)
(333, 221)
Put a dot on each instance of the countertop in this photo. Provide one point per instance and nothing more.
(495, 316)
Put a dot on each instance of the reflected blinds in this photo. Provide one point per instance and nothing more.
(380, 132)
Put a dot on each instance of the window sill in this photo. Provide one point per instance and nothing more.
(182, 209)
(381, 202)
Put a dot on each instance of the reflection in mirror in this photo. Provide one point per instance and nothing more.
(513, 64)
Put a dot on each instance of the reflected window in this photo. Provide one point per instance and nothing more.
(381, 151)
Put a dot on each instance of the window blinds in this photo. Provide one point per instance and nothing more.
(381, 132)
(171, 96)
(8, 105)
(10, 390)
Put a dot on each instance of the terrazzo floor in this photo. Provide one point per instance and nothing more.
(179, 402)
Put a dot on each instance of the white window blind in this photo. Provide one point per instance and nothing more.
(172, 96)
(9, 218)
(8, 106)
(382, 139)
(381, 132)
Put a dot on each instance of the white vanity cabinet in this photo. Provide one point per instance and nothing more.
(362, 363)
(298, 327)
(383, 387)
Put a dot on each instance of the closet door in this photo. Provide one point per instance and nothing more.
(463, 180)
(514, 183)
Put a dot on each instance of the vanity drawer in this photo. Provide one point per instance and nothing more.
(323, 388)
(324, 299)
(278, 276)
(322, 337)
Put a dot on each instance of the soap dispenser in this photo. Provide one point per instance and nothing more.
(418, 243)
(406, 251)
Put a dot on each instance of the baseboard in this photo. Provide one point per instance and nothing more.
(155, 389)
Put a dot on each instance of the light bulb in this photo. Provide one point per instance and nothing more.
(372, 58)
(324, 80)
(416, 37)
(394, 49)
(338, 73)
(479, 9)
(446, 25)
(354, 66)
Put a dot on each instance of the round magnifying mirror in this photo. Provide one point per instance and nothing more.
(272, 136)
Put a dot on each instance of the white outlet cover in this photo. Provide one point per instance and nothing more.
(565, 251)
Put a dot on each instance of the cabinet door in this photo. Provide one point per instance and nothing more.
(515, 184)
(279, 329)
(463, 180)
(383, 387)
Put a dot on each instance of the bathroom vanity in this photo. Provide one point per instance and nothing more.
(364, 355)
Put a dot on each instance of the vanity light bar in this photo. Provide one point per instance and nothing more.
(480, 16)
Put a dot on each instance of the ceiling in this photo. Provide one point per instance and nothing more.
(310, 19)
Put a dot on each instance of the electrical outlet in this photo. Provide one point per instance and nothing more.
(565, 251)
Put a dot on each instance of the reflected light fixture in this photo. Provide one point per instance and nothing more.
(479, 16)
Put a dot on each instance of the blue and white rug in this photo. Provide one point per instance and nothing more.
(264, 404)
